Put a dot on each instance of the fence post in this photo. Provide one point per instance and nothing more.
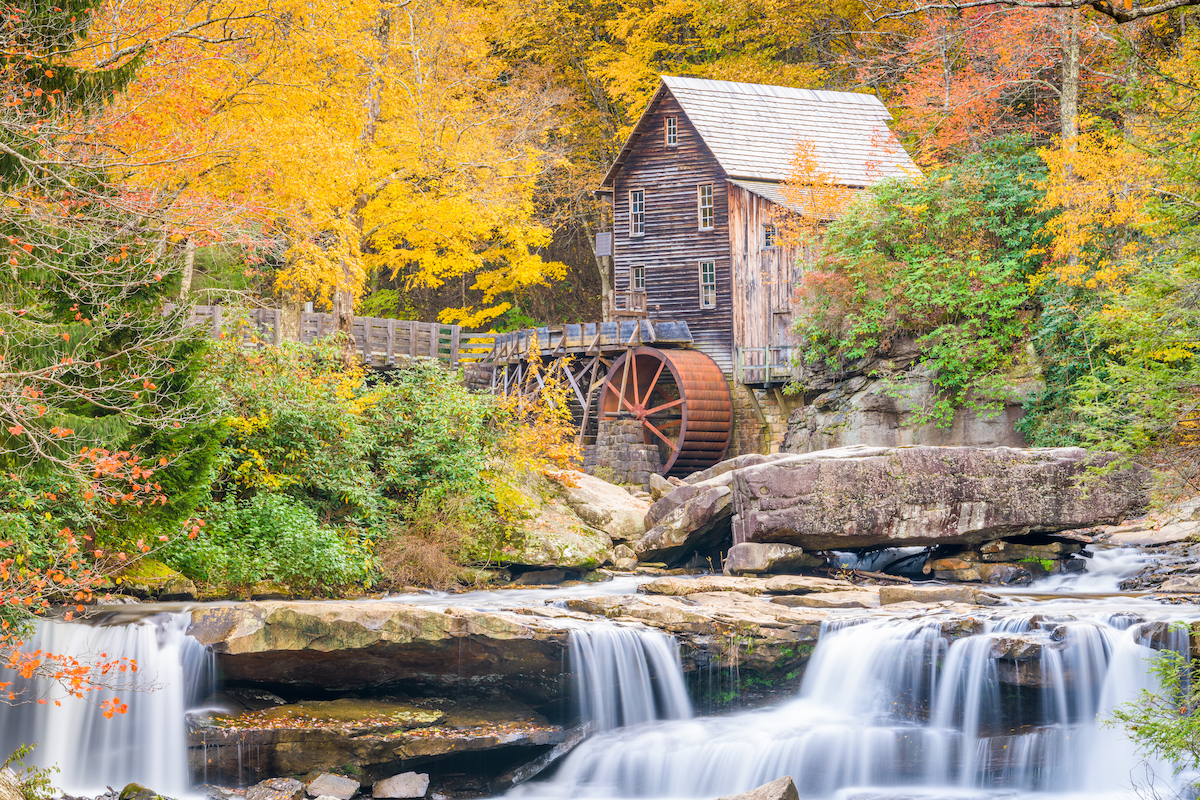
(391, 342)
(367, 322)
(455, 343)
(412, 338)
(435, 335)
(277, 328)
(216, 322)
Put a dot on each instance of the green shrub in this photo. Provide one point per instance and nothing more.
(271, 537)
(943, 258)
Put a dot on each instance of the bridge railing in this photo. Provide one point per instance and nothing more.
(379, 341)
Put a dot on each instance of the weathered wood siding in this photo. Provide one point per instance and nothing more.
(673, 245)
(764, 278)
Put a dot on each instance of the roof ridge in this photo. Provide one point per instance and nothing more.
(771, 90)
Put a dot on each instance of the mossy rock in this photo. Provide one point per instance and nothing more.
(135, 791)
(147, 577)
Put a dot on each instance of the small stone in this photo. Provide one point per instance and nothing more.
(660, 487)
(624, 558)
(782, 789)
(404, 785)
(1182, 584)
(276, 789)
(329, 785)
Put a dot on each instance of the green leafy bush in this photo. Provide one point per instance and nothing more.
(944, 258)
(271, 537)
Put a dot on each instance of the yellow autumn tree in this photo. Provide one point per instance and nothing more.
(367, 136)
(815, 196)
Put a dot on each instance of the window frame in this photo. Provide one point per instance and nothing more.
(711, 208)
(770, 236)
(639, 230)
(637, 278)
(710, 303)
(671, 132)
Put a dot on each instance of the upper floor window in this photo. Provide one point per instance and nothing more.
(770, 236)
(708, 284)
(637, 212)
(637, 279)
(672, 131)
(704, 206)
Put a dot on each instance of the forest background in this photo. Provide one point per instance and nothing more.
(435, 159)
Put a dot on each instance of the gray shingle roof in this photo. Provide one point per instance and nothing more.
(753, 130)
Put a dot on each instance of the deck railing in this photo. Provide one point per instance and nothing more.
(379, 341)
(765, 366)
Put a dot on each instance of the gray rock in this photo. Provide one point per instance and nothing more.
(936, 594)
(864, 598)
(606, 506)
(756, 559)
(10, 785)
(406, 784)
(1182, 584)
(624, 558)
(660, 486)
(883, 409)
(700, 523)
(276, 789)
(856, 497)
(327, 784)
(1167, 534)
(782, 789)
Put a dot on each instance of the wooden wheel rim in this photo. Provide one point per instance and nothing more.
(705, 407)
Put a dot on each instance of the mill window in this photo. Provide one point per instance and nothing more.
(770, 236)
(704, 202)
(708, 284)
(637, 212)
(672, 131)
(637, 279)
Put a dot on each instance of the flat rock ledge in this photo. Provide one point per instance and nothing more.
(377, 736)
(356, 646)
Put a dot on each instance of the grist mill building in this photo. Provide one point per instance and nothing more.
(697, 196)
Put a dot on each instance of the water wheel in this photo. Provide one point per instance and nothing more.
(682, 401)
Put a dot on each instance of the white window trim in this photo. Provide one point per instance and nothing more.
(700, 268)
(770, 226)
(633, 278)
(668, 141)
(712, 207)
(637, 234)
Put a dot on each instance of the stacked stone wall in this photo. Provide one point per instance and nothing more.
(750, 434)
(620, 454)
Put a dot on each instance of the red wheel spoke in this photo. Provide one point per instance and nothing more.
(659, 434)
(654, 382)
(664, 406)
(621, 397)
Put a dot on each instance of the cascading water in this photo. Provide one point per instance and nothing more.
(627, 676)
(148, 744)
(939, 707)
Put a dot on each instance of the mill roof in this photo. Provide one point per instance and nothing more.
(753, 130)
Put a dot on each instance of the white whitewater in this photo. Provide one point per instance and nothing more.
(890, 705)
(627, 676)
(148, 744)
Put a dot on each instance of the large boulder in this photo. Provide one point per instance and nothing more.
(693, 518)
(605, 506)
(404, 785)
(857, 497)
(750, 558)
(10, 785)
(350, 647)
(329, 785)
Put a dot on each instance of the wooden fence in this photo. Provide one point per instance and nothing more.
(380, 342)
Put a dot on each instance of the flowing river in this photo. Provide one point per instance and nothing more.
(889, 706)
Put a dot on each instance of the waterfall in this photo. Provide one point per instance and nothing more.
(147, 744)
(902, 704)
(627, 676)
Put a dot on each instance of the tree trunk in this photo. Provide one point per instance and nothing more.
(189, 267)
(1069, 100)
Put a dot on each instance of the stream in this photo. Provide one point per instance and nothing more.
(889, 708)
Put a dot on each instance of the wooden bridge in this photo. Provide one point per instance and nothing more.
(380, 342)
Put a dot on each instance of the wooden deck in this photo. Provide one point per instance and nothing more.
(589, 338)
